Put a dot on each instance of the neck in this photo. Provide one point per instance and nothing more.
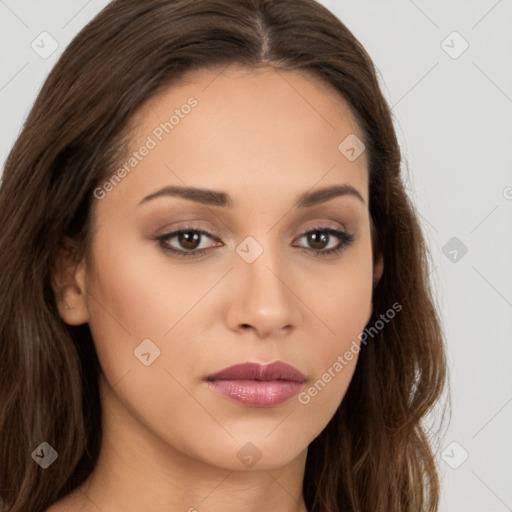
(137, 470)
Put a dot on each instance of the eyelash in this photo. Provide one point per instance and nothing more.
(345, 238)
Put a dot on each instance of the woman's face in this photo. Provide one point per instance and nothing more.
(260, 290)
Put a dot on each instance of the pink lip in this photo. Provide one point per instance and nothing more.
(257, 385)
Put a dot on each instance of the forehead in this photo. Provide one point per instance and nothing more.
(258, 92)
(250, 130)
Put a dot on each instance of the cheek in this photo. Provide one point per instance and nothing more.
(341, 296)
(343, 306)
(130, 300)
(137, 291)
(141, 294)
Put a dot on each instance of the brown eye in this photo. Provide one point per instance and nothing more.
(187, 241)
(318, 239)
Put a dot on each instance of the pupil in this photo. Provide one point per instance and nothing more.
(317, 235)
(188, 239)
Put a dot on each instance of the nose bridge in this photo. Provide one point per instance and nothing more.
(262, 264)
(264, 299)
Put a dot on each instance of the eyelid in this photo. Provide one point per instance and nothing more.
(345, 239)
(212, 232)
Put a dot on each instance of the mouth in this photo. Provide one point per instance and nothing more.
(257, 385)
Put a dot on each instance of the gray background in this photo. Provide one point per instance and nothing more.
(452, 112)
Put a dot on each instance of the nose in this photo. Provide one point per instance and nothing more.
(264, 299)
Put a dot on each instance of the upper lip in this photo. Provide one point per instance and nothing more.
(257, 371)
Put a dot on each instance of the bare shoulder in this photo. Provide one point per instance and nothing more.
(69, 503)
(60, 506)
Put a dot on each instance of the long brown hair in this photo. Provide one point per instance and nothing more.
(375, 455)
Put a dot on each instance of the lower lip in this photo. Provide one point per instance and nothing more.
(256, 393)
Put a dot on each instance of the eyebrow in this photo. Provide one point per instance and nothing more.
(217, 198)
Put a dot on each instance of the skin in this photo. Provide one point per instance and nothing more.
(170, 443)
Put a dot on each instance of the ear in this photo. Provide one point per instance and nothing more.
(68, 283)
(378, 270)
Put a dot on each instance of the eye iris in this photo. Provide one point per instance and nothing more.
(317, 237)
(188, 237)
